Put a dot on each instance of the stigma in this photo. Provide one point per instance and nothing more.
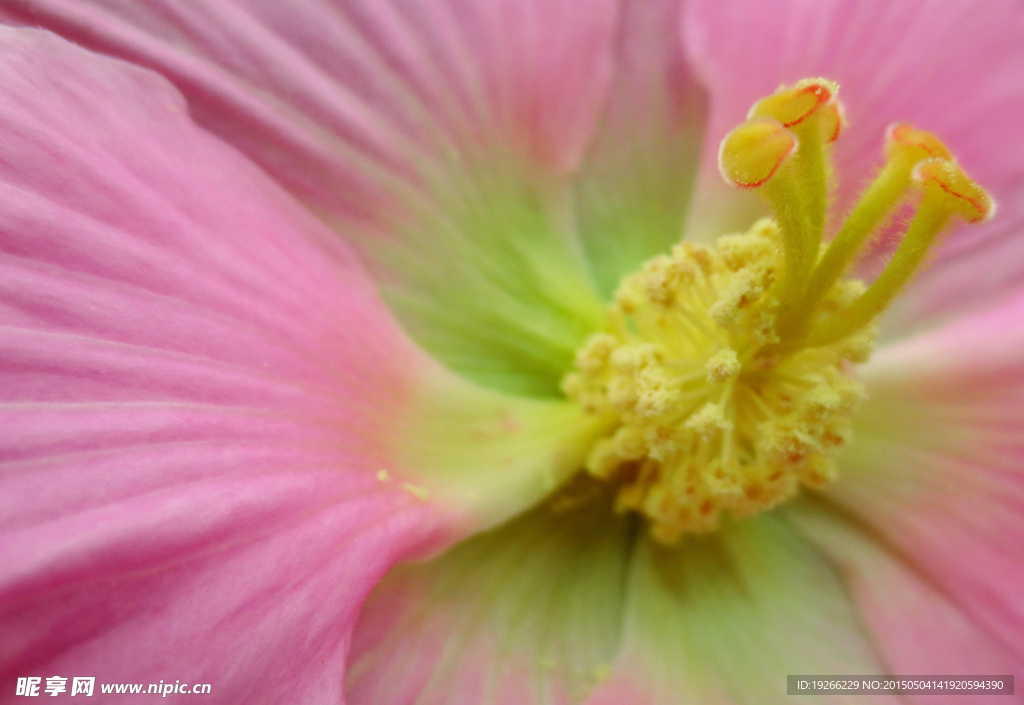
(725, 375)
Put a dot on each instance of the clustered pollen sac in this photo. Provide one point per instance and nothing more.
(725, 374)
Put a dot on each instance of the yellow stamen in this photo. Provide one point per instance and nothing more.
(724, 375)
(699, 422)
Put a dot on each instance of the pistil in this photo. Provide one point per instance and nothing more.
(724, 376)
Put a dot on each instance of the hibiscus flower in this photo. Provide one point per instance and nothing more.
(304, 307)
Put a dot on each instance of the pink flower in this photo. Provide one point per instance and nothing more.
(218, 438)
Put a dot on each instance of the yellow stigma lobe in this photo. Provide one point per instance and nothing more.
(904, 141)
(945, 180)
(724, 375)
(812, 99)
(752, 153)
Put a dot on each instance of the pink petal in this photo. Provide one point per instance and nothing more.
(918, 628)
(529, 612)
(437, 137)
(957, 70)
(935, 465)
(305, 88)
(634, 190)
(197, 384)
(252, 586)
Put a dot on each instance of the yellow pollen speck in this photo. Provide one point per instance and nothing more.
(383, 475)
(417, 491)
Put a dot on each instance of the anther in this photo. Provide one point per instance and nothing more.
(700, 428)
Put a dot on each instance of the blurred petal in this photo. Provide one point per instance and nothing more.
(437, 137)
(248, 584)
(199, 389)
(529, 612)
(302, 89)
(634, 189)
(918, 629)
(936, 466)
(955, 69)
(722, 619)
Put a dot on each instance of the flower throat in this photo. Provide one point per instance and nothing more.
(724, 374)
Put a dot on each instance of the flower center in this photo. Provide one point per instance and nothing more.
(724, 374)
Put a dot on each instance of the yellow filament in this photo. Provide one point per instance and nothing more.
(878, 201)
(930, 219)
(812, 165)
(798, 243)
